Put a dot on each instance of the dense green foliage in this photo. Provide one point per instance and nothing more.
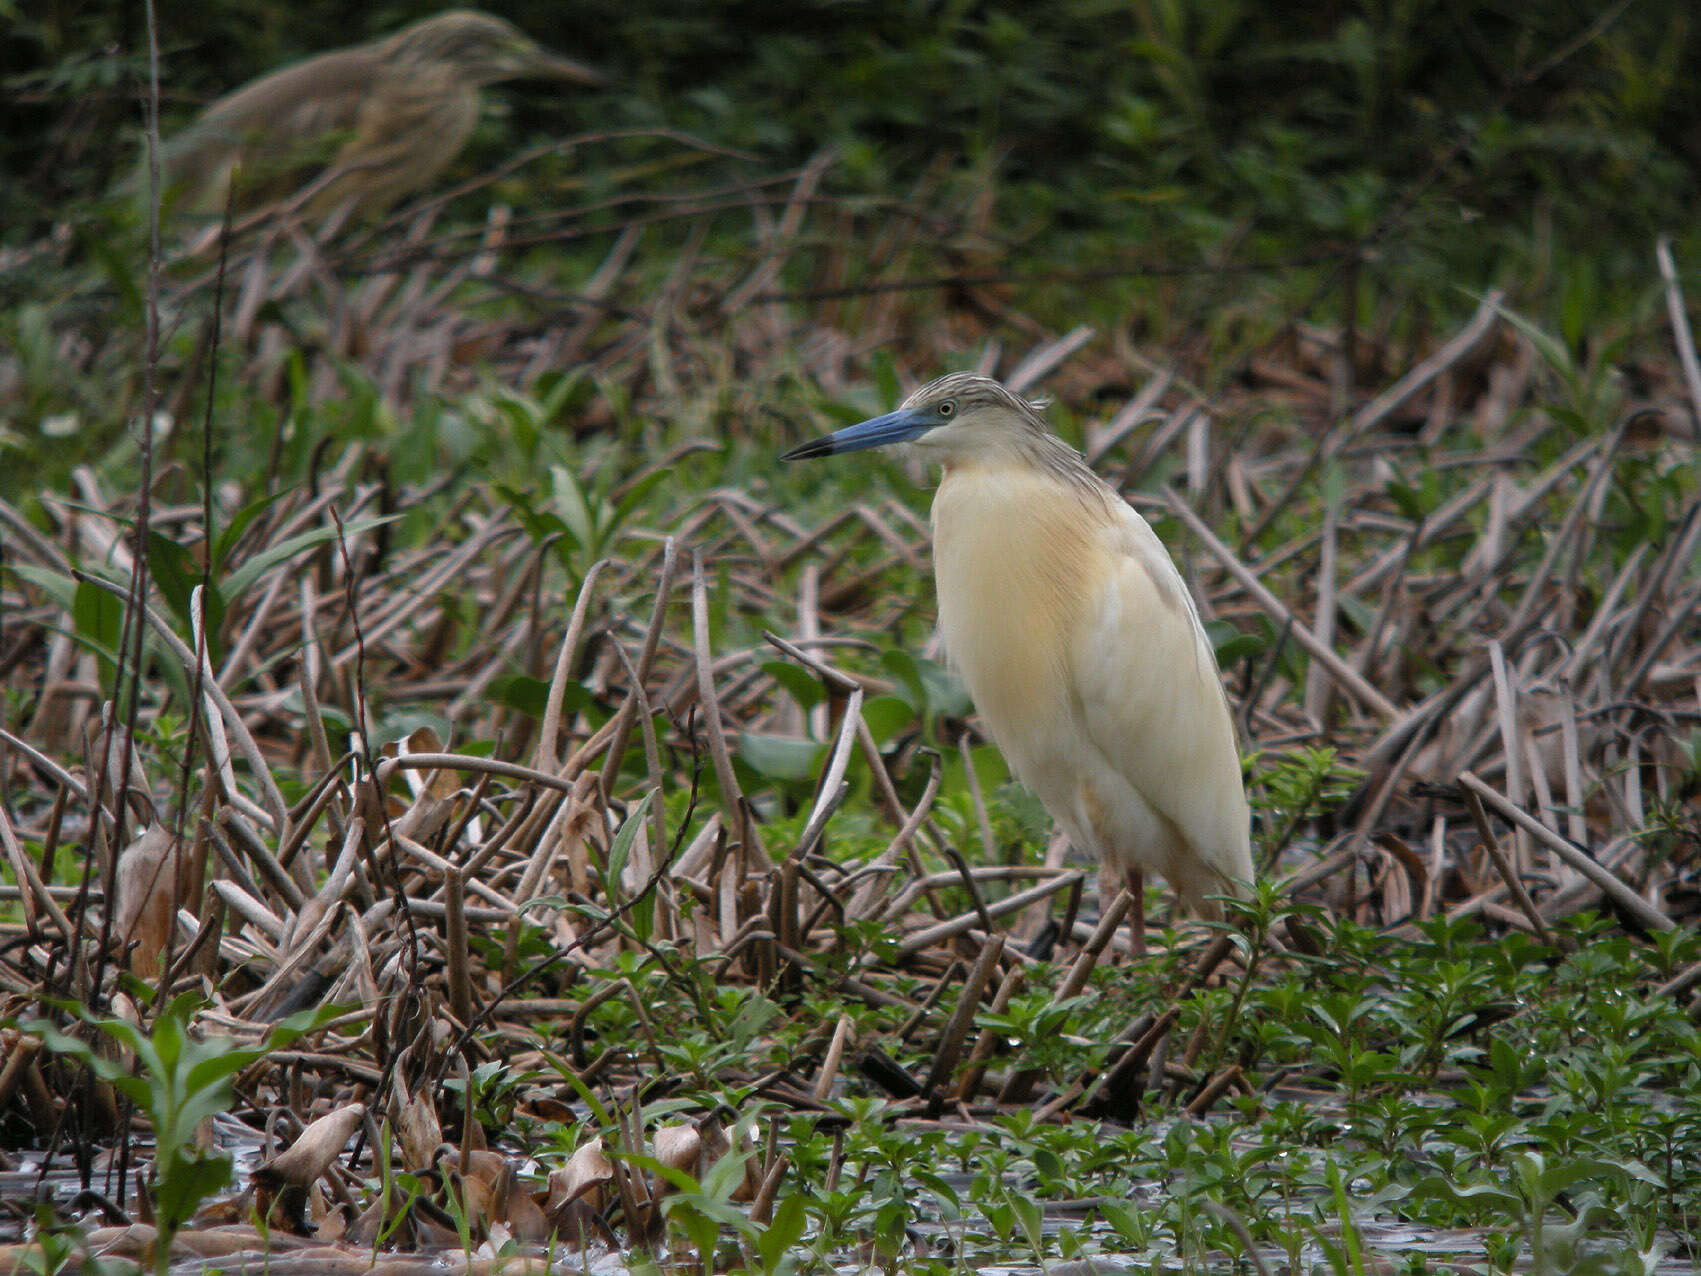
(1180, 126)
(1196, 173)
(1434, 1089)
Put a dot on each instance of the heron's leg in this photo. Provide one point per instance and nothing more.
(1137, 914)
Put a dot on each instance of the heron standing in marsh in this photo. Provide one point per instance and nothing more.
(1077, 639)
(362, 126)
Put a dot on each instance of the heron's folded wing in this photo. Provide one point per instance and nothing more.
(1152, 701)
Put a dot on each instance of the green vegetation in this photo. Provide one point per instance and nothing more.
(1362, 309)
(179, 1082)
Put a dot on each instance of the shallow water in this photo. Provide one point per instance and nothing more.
(965, 1244)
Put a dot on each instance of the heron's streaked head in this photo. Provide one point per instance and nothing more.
(483, 49)
(950, 420)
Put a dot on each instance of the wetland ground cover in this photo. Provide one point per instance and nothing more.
(450, 761)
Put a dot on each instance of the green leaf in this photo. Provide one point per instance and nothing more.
(1438, 1187)
(1048, 1164)
(805, 687)
(239, 523)
(542, 525)
(530, 696)
(1549, 347)
(782, 1233)
(62, 1043)
(907, 670)
(244, 576)
(937, 1184)
(1031, 1218)
(622, 845)
(887, 717)
(99, 620)
(174, 571)
(201, 1102)
(1233, 645)
(290, 1029)
(62, 589)
(116, 266)
(634, 497)
(681, 1179)
(586, 1096)
(947, 694)
(1126, 1220)
(212, 1065)
(619, 851)
(1408, 500)
(779, 757)
(1351, 1242)
(184, 1180)
(1357, 610)
(570, 503)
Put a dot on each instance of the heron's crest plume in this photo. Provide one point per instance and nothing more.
(988, 421)
(453, 36)
(974, 392)
(482, 48)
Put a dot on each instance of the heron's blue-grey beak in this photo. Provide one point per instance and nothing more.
(895, 427)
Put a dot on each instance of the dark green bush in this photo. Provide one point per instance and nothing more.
(1298, 123)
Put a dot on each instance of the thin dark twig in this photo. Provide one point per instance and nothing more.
(1100, 274)
(369, 756)
(203, 638)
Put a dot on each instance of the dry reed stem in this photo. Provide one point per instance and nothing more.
(1614, 886)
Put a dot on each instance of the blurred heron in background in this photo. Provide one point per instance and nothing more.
(359, 127)
(1078, 641)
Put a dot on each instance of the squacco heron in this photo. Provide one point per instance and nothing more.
(1078, 641)
(363, 126)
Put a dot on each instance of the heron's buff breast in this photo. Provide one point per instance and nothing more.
(1077, 641)
(1016, 557)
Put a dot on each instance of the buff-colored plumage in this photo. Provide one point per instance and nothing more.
(1077, 639)
(356, 128)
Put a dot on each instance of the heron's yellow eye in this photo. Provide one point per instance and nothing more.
(948, 408)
